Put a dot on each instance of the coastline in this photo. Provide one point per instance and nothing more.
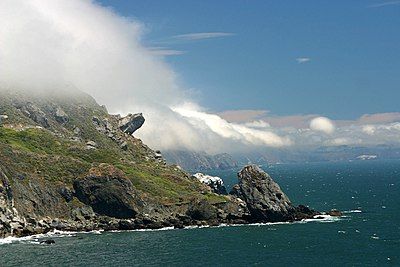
(56, 233)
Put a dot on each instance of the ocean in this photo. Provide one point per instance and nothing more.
(368, 192)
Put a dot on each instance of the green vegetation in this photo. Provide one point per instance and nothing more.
(54, 155)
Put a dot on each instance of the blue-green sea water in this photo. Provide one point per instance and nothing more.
(368, 235)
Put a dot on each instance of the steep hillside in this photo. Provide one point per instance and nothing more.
(65, 163)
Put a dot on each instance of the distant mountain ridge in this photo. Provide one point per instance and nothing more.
(200, 161)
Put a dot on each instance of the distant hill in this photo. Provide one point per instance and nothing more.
(320, 154)
(196, 161)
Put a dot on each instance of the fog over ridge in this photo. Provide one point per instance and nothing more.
(50, 44)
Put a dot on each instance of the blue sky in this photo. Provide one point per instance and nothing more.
(353, 47)
(284, 74)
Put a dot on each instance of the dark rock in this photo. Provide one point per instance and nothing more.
(108, 192)
(66, 193)
(263, 197)
(21, 176)
(126, 225)
(303, 212)
(335, 213)
(48, 241)
(131, 123)
(202, 210)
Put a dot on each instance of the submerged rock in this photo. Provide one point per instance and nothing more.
(131, 123)
(215, 183)
(48, 241)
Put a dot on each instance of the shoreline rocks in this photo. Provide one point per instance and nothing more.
(113, 204)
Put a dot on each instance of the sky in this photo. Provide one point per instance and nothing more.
(217, 76)
(340, 59)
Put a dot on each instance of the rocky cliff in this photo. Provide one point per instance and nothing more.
(65, 163)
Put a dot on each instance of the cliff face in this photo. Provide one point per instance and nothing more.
(65, 163)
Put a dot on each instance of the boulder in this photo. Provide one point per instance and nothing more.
(263, 196)
(61, 116)
(3, 117)
(108, 192)
(215, 183)
(131, 123)
(91, 145)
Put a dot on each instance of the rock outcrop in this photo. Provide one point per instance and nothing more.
(34, 113)
(215, 183)
(61, 116)
(108, 192)
(131, 123)
(264, 198)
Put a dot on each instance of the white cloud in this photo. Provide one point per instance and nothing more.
(369, 129)
(163, 51)
(202, 35)
(258, 124)
(48, 44)
(389, 3)
(322, 124)
(232, 131)
(301, 60)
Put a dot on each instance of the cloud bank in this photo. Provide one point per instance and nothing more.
(56, 44)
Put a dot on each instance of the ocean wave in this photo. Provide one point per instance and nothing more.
(352, 211)
(324, 218)
(35, 239)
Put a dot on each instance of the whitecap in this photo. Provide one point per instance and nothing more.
(352, 211)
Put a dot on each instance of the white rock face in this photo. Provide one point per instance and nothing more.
(214, 182)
